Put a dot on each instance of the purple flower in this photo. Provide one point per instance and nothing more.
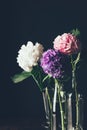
(52, 63)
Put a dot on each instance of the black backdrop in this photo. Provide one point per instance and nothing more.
(37, 21)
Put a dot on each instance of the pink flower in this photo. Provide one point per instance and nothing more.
(67, 44)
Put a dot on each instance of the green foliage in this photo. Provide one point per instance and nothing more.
(75, 61)
(75, 32)
(20, 77)
(37, 74)
(46, 77)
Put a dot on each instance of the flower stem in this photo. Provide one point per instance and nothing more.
(36, 82)
(74, 86)
(50, 104)
(50, 107)
(54, 99)
(77, 109)
(60, 105)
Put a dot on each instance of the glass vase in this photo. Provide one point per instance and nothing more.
(47, 100)
(51, 107)
(74, 112)
(70, 112)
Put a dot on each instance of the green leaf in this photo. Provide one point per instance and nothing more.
(75, 32)
(20, 77)
(38, 76)
(46, 77)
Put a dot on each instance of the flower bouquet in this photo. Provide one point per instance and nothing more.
(51, 69)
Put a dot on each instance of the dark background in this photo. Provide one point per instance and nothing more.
(38, 21)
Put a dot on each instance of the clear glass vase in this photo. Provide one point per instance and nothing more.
(47, 100)
(74, 112)
(51, 106)
(70, 112)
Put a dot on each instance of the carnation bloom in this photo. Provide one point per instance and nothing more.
(52, 63)
(67, 44)
(29, 55)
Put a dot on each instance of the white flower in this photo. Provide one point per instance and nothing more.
(29, 55)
